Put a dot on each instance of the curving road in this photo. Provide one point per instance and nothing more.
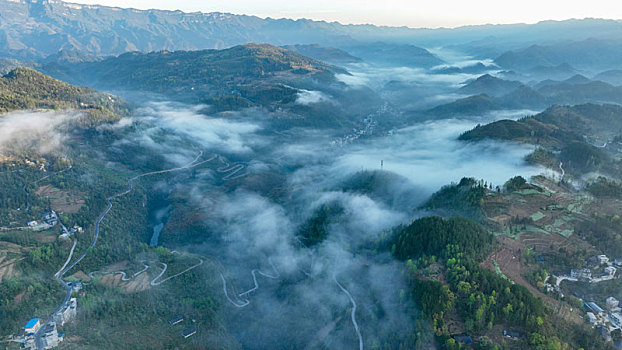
(59, 275)
(155, 281)
(224, 288)
(230, 168)
(75, 243)
(192, 164)
(254, 273)
(243, 297)
(353, 313)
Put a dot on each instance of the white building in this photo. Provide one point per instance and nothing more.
(616, 319)
(612, 303)
(602, 259)
(581, 273)
(591, 318)
(50, 337)
(67, 312)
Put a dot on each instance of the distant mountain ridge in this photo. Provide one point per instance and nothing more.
(564, 57)
(34, 29)
(489, 93)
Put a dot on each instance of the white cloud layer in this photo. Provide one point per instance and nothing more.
(32, 131)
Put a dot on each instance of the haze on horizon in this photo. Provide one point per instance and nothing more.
(441, 13)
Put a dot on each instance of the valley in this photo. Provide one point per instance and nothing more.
(328, 187)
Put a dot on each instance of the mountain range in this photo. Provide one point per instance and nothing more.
(489, 93)
(34, 29)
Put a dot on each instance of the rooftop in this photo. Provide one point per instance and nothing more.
(31, 323)
(188, 332)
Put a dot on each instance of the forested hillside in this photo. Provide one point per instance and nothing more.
(24, 88)
(443, 258)
(241, 76)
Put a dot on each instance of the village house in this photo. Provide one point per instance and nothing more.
(591, 318)
(612, 303)
(581, 273)
(50, 337)
(175, 320)
(67, 312)
(590, 305)
(616, 319)
(32, 326)
(50, 218)
(189, 332)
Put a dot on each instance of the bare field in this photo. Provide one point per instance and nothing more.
(61, 201)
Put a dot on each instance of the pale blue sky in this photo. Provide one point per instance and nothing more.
(412, 13)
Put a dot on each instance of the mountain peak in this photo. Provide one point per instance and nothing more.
(490, 85)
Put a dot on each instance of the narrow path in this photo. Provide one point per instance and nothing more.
(224, 288)
(123, 274)
(154, 283)
(141, 271)
(75, 242)
(254, 273)
(130, 188)
(562, 169)
(231, 168)
(62, 272)
(353, 313)
(234, 170)
(244, 295)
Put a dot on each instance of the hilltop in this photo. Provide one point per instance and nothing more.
(25, 88)
(492, 86)
(558, 126)
(241, 76)
(566, 134)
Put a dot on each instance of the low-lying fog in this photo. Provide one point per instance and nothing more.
(265, 183)
(297, 300)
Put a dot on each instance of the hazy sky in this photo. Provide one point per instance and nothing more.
(412, 13)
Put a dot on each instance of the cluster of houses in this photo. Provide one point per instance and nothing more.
(72, 231)
(49, 337)
(586, 275)
(605, 320)
(48, 220)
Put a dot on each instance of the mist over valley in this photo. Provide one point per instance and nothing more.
(206, 180)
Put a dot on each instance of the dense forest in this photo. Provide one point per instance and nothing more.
(443, 259)
(464, 198)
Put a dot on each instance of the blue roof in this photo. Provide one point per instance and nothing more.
(31, 323)
(593, 306)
